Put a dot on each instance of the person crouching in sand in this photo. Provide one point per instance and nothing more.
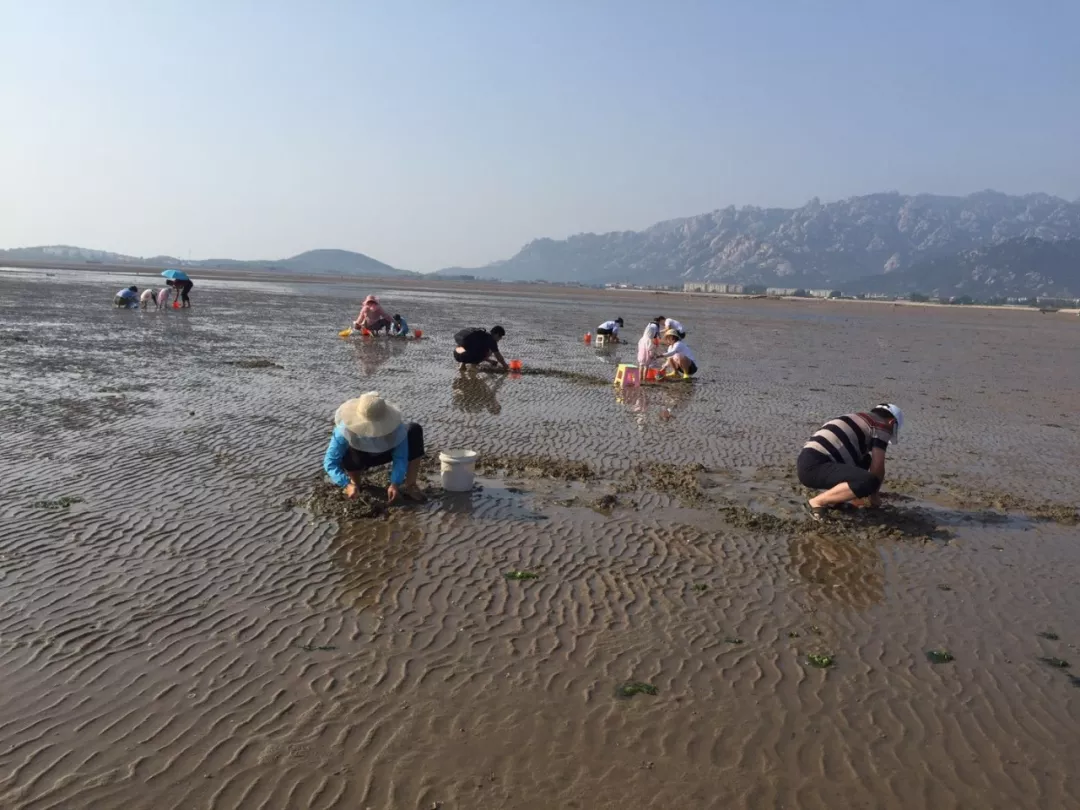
(679, 359)
(372, 317)
(476, 346)
(370, 432)
(163, 295)
(846, 457)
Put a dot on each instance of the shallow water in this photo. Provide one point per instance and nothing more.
(183, 639)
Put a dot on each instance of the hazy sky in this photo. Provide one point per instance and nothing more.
(451, 132)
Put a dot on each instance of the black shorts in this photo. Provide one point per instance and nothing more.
(819, 471)
(470, 358)
(120, 302)
(605, 332)
(692, 370)
(355, 461)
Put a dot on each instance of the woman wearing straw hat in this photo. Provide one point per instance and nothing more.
(369, 432)
(372, 316)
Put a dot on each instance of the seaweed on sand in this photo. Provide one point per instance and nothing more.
(628, 689)
(63, 502)
(939, 656)
(821, 660)
(521, 575)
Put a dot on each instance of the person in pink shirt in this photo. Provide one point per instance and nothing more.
(163, 297)
(372, 316)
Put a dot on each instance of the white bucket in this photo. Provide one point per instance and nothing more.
(458, 469)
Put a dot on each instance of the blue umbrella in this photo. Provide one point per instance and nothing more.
(175, 275)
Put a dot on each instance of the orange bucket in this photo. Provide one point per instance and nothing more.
(588, 337)
(365, 332)
(176, 305)
(651, 374)
(515, 365)
(418, 333)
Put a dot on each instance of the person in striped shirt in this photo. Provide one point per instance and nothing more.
(846, 457)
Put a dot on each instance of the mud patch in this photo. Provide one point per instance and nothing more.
(253, 362)
(328, 500)
(537, 467)
(682, 481)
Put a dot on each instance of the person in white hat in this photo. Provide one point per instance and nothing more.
(846, 457)
(679, 358)
(370, 432)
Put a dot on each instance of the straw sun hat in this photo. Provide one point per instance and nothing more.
(369, 422)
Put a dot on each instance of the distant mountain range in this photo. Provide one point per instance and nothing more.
(844, 244)
(315, 262)
(1010, 269)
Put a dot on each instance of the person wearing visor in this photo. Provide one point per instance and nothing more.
(846, 458)
(370, 432)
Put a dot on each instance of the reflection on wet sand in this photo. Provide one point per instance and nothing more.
(473, 393)
(842, 570)
(375, 352)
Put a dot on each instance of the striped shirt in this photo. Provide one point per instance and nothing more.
(846, 439)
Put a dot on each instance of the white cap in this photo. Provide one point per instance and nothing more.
(898, 415)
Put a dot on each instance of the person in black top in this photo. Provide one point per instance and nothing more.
(183, 287)
(475, 346)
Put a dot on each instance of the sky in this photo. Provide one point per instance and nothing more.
(440, 133)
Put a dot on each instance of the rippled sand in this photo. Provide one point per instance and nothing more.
(174, 634)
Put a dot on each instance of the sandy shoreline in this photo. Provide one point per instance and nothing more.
(179, 630)
(495, 288)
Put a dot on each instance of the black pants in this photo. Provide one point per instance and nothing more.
(355, 461)
(605, 332)
(819, 471)
(470, 358)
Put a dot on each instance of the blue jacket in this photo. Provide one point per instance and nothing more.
(402, 330)
(339, 446)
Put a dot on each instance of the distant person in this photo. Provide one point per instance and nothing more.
(163, 295)
(399, 327)
(678, 359)
(610, 329)
(372, 316)
(370, 432)
(146, 299)
(846, 457)
(183, 287)
(127, 298)
(475, 346)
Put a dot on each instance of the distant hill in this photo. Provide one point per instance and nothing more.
(1013, 268)
(817, 245)
(314, 262)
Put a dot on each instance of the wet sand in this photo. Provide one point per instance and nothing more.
(181, 626)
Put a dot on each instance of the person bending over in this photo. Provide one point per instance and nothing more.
(610, 329)
(667, 324)
(476, 346)
(127, 298)
(846, 457)
(399, 327)
(370, 432)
